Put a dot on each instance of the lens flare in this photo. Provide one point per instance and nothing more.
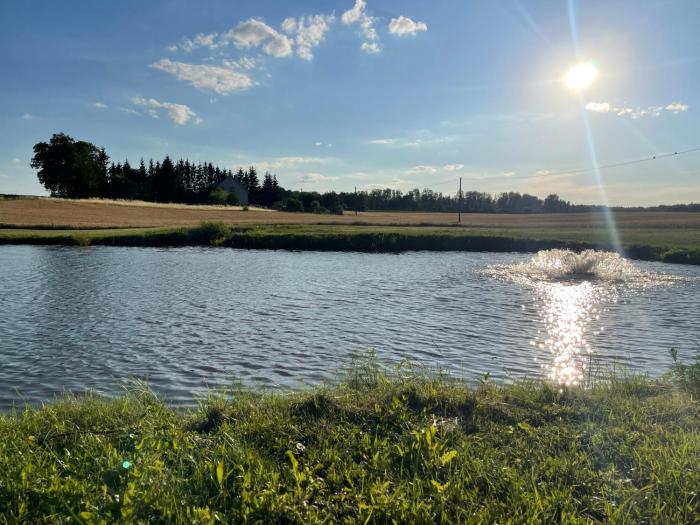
(581, 76)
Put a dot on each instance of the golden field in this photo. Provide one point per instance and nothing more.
(93, 213)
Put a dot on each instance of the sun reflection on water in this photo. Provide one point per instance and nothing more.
(567, 311)
(570, 290)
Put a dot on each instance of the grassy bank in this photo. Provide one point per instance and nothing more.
(645, 244)
(407, 448)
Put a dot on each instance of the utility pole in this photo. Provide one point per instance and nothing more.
(459, 213)
(355, 201)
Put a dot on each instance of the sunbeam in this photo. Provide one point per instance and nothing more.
(578, 78)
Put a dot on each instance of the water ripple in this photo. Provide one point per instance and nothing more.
(192, 319)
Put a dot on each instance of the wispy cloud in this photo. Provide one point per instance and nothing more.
(423, 169)
(289, 162)
(396, 182)
(404, 26)
(218, 79)
(99, 105)
(27, 116)
(453, 167)
(315, 178)
(180, 114)
(421, 139)
(677, 107)
(636, 112)
(201, 40)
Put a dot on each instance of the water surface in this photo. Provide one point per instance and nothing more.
(189, 319)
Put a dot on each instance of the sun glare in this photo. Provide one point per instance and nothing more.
(580, 76)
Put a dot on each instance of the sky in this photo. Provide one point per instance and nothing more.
(338, 94)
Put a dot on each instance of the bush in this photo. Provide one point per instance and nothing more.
(218, 196)
(315, 206)
(209, 232)
(294, 205)
(337, 209)
(232, 199)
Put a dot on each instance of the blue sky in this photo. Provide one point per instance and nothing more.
(375, 93)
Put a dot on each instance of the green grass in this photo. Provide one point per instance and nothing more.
(401, 448)
(669, 245)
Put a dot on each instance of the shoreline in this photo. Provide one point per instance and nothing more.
(376, 447)
(344, 238)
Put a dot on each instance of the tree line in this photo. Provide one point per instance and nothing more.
(76, 169)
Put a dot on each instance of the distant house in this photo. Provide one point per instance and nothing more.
(231, 185)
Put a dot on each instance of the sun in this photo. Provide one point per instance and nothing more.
(580, 76)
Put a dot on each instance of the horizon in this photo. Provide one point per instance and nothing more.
(368, 94)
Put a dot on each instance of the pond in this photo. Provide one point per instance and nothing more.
(188, 320)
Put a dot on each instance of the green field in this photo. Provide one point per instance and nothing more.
(407, 447)
(663, 244)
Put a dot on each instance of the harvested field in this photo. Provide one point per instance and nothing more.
(34, 212)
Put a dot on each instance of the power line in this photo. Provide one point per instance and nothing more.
(577, 171)
(627, 163)
(582, 170)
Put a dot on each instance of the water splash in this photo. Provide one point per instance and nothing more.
(588, 265)
(570, 290)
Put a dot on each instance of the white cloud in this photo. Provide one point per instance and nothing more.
(256, 33)
(423, 169)
(371, 47)
(358, 15)
(288, 162)
(16, 161)
(404, 26)
(131, 111)
(540, 173)
(27, 116)
(424, 139)
(309, 32)
(201, 40)
(180, 114)
(100, 105)
(218, 79)
(172, 48)
(638, 112)
(677, 107)
(4, 176)
(355, 14)
(453, 167)
(318, 143)
(508, 173)
(599, 107)
(315, 178)
(393, 183)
